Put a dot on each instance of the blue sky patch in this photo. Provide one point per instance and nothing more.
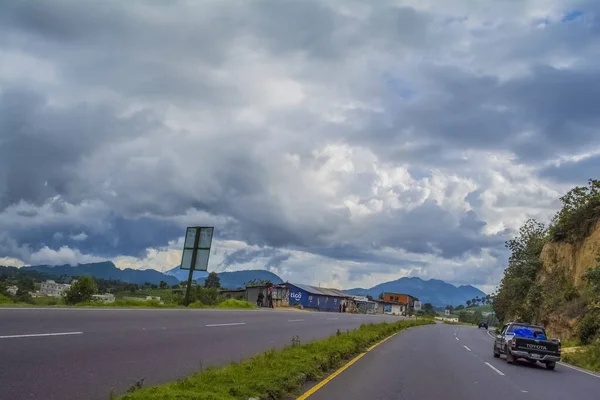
(572, 16)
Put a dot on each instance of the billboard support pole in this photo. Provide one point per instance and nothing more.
(190, 276)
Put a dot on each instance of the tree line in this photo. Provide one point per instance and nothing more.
(523, 296)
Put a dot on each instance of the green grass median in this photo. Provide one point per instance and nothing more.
(275, 373)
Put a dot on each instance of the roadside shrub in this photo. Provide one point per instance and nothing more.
(234, 303)
(81, 291)
(196, 304)
(206, 296)
(588, 357)
(5, 300)
(589, 327)
(47, 301)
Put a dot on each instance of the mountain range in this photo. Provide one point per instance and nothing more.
(228, 280)
(108, 270)
(434, 291)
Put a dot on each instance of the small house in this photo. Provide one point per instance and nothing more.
(317, 298)
(280, 294)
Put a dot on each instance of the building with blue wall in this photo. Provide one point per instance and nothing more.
(316, 298)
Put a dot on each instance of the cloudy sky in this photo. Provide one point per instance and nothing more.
(336, 142)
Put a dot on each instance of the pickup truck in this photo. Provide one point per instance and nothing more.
(515, 346)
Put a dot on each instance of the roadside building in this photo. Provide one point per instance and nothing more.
(364, 305)
(53, 289)
(238, 294)
(12, 290)
(317, 298)
(386, 307)
(280, 294)
(105, 298)
(405, 300)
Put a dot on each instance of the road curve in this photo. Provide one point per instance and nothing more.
(454, 363)
(74, 354)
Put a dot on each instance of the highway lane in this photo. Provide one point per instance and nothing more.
(67, 354)
(455, 363)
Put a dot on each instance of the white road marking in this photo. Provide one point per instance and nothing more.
(230, 324)
(468, 349)
(295, 320)
(494, 368)
(40, 335)
(456, 338)
(524, 391)
(490, 335)
(579, 369)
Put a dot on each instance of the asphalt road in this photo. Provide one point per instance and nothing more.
(453, 363)
(75, 354)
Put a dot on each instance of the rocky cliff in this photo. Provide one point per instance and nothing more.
(561, 281)
(573, 259)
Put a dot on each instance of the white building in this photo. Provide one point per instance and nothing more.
(51, 288)
(106, 297)
(12, 290)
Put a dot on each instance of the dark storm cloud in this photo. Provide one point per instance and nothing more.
(246, 255)
(41, 144)
(75, 138)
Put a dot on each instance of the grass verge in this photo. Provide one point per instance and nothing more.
(275, 373)
(228, 304)
(587, 357)
(459, 323)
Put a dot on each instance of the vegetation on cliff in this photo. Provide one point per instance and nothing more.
(547, 294)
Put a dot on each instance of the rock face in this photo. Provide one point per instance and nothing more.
(574, 259)
(564, 265)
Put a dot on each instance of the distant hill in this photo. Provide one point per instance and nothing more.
(229, 280)
(434, 291)
(106, 270)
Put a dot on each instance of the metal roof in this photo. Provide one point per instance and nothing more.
(321, 291)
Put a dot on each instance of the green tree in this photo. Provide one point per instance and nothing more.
(81, 291)
(459, 308)
(212, 281)
(163, 284)
(523, 266)
(26, 284)
(593, 276)
(468, 303)
(579, 213)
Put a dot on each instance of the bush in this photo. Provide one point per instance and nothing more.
(579, 213)
(234, 303)
(206, 296)
(47, 301)
(589, 327)
(5, 300)
(81, 291)
(588, 357)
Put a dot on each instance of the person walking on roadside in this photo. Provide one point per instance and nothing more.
(261, 296)
(340, 307)
(344, 308)
(270, 298)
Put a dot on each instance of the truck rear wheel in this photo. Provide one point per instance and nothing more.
(551, 365)
(509, 357)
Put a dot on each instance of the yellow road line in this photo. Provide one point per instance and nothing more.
(324, 382)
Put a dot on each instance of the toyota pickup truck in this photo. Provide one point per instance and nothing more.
(516, 346)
